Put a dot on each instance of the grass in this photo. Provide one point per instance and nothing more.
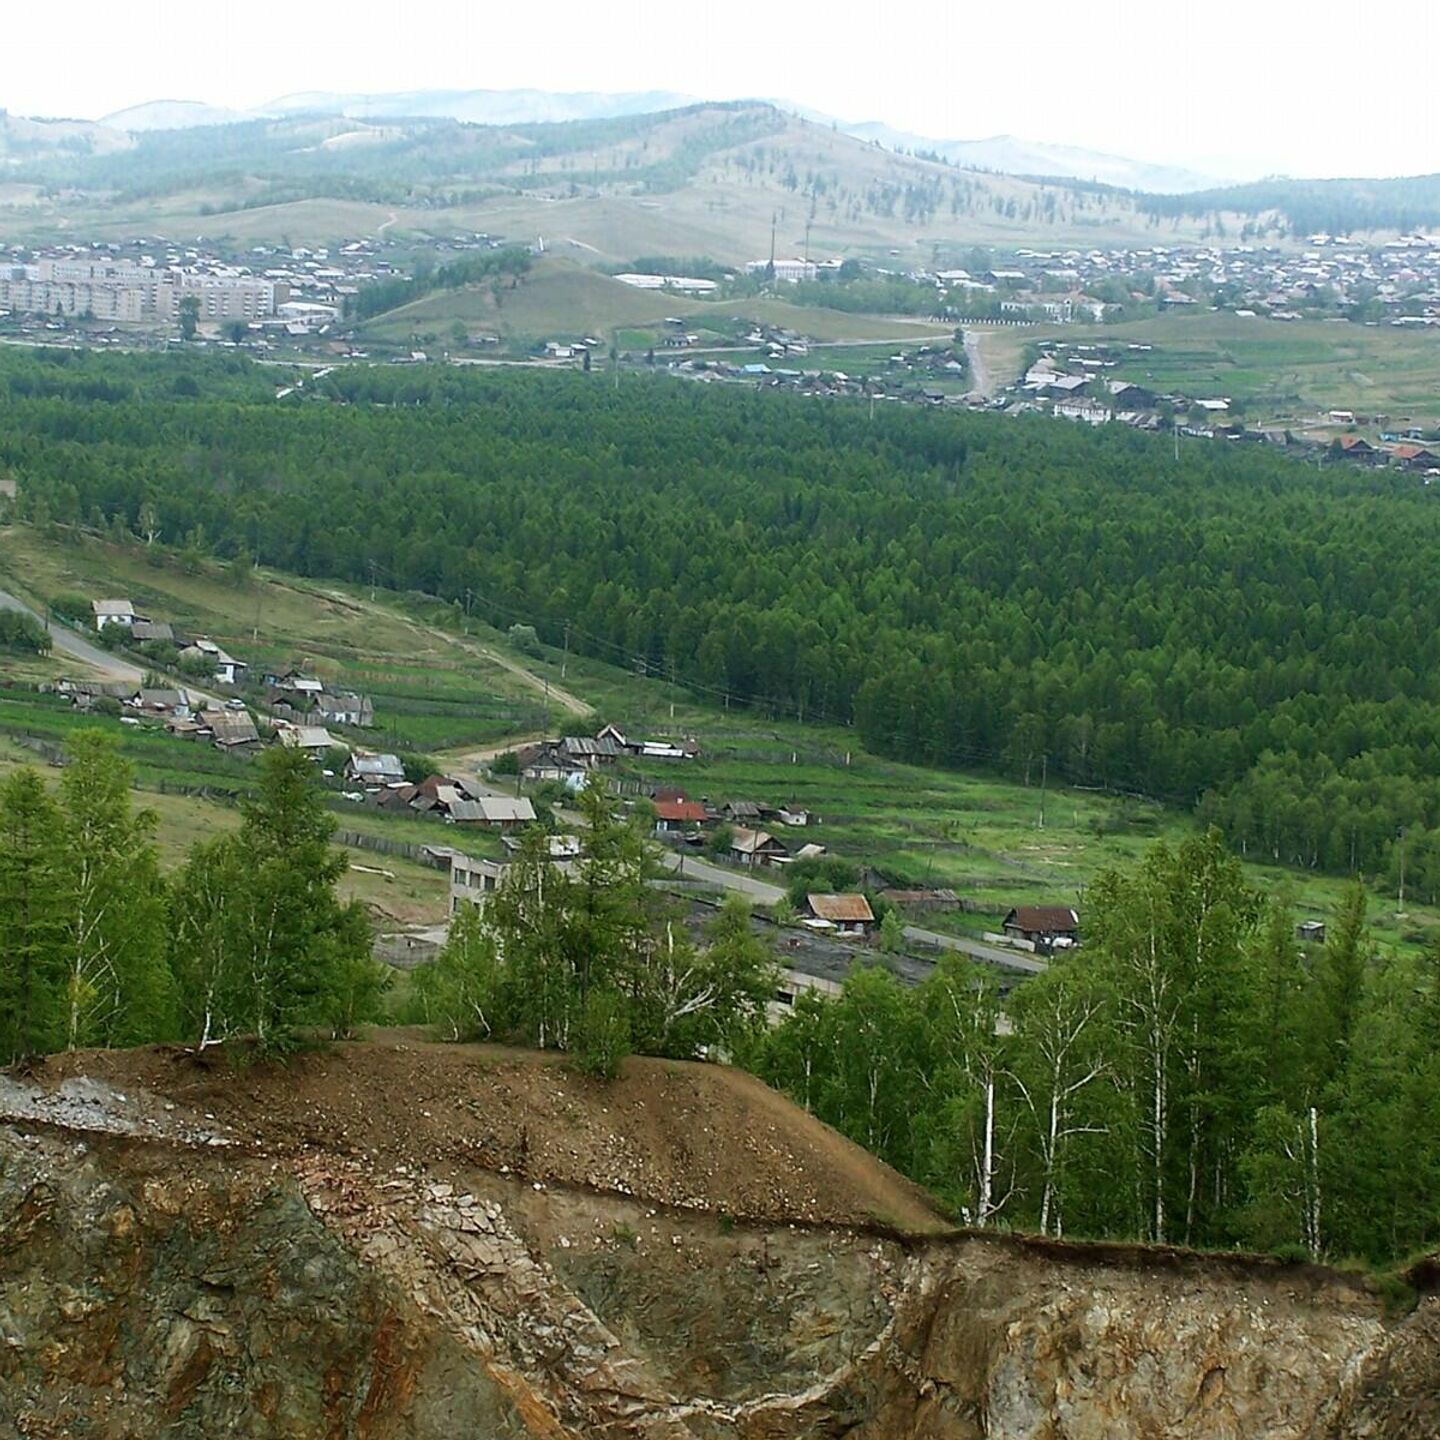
(976, 833)
(561, 299)
(429, 693)
(1283, 370)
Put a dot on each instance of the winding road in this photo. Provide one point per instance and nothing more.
(67, 642)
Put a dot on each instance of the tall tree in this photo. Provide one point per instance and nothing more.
(32, 918)
(118, 988)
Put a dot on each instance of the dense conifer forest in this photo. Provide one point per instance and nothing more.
(1227, 630)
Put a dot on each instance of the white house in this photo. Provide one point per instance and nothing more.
(113, 612)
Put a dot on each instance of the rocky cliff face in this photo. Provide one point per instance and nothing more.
(198, 1254)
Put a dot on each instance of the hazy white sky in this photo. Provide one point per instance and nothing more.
(1236, 87)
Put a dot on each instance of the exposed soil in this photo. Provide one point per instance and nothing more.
(699, 1137)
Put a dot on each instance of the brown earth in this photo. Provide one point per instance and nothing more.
(699, 1137)
(401, 1239)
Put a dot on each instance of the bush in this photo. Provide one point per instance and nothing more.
(721, 838)
(70, 606)
(602, 1036)
(23, 633)
(825, 875)
(507, 763)
(525, 639)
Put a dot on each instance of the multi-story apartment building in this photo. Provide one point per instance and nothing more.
(134, 293)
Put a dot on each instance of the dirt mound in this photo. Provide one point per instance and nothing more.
(699, 1137)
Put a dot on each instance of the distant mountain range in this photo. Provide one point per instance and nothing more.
(1003, 154)
(1010, 156)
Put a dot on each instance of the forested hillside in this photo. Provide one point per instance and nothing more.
(1226, 630)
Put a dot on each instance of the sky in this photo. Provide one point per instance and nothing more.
(1233, 88)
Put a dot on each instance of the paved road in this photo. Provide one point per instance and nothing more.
(768, 894)
(688, 867)
(67, 642)
(977, 950)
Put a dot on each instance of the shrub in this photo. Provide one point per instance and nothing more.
(602, 1038)
(23, 633)
(70, 606)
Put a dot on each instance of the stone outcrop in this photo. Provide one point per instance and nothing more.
(163, 1272)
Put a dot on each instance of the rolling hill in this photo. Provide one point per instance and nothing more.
(703, 180)
(562, 298)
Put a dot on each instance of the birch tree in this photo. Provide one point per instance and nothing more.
(117, 988)
(1060, 1058)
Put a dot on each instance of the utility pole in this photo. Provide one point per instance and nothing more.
(1400, 909)
(372, 581)
(1044, 773)
(565, 659)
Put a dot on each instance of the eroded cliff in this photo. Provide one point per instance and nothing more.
(398, 1239)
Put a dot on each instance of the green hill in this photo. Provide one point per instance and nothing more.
(561, 299)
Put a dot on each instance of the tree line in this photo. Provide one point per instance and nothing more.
(1225, 629)
(247, 938)
(1189, 1076)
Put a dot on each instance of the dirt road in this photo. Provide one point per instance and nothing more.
(981, 379)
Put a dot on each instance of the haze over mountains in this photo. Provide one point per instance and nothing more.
(1005, 154)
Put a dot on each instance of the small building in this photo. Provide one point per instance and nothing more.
(1310, 932)
(755, 847)
(226, 669)
(1356, 447)
(161, 702)
(230, 729)
(113, 612)
(345, 707)
(374, 771)
(472, 880)
(677, 816)
(315, 739)
(1044, 926)
(496, 812)
(846, 914)
(161, 632)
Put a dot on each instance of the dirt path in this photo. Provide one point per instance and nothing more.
(562, 697)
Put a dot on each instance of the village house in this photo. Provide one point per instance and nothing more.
(113, 612)
(226, 669)
(755, 847)
(1356, 447)
(678, 816)
(159, 632)
(315, 739)
(1046, 927)
(161, 702)
(844, 914)
(345, 707)
(374, 770)
(494, 812)
(231, 730)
